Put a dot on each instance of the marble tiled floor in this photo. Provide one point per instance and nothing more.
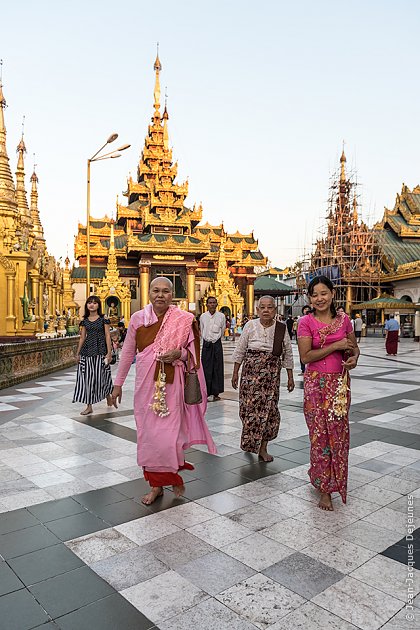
(245, 548)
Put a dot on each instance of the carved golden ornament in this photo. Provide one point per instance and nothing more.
(168, 257)
(7, 264)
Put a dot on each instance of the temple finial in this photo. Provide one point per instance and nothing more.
(3, 104)
(157, 68)
(21, 148)
(38, 230)
(343, 165)
(20, 181)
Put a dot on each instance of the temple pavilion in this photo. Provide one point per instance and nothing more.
(156, 234)
(398, 234)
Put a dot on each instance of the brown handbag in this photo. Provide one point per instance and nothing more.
(192, 389)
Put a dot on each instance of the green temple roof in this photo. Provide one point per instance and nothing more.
(384, 301)
(401, 250)
(264, 283)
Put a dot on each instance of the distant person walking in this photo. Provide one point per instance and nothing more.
(305, 311)
(212, 327)
(358, 327)
(94, 355)
(392, 329)
(289, 324)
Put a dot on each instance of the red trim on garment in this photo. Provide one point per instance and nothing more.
(160, 479)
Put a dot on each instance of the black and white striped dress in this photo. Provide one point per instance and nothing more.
(93, 381)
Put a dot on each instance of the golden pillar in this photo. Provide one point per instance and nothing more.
(250, 297)
(51, 298)
(191, 286)
(10, 317)
(36, 299)
(144, 285)
(349, 299)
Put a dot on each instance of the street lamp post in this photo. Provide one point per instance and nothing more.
(96, 158)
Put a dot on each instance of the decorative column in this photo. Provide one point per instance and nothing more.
(36, 299)
(11, 316)
(250, 297)
(417, 326)
(144, 284)
(349, 300)
(191, 288)
(51, 298)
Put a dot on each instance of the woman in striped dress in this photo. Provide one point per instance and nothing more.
(93, 382)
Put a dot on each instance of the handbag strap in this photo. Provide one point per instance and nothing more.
(279, 331)
(189, 361)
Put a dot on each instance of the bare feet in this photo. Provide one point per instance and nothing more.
(325, 502)
(155, 493)
(266, 457)
(216, 398)
(178, 490)
(87, 411)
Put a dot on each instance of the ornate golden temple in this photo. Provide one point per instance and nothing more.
(35, 289)
(156, 234)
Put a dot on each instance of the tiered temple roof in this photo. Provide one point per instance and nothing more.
(398, 235)
(156, 219)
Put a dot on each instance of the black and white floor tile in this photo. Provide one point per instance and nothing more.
(245, 548)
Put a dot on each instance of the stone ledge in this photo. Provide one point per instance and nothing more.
(29, 360)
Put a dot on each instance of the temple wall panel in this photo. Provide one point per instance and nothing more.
(32, 359)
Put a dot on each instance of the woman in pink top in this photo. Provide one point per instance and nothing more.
(327, 346)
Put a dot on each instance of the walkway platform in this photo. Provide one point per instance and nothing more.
(246, 548)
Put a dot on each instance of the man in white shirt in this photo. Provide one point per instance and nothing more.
(212, 326)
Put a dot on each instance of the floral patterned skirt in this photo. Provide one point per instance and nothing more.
(328, 426)
(259, 399)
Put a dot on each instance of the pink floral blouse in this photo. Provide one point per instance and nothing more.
(323, 335)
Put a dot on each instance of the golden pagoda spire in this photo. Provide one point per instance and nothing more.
(111, 240)
(222, 268)
(37, 230)
(21, 197)
(111, 284)
(165, 117)
(8, 204)
(343, 166)
(157, 68)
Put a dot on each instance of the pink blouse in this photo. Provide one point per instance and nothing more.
(340, 327)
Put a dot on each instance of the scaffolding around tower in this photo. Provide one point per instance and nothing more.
(347, 252)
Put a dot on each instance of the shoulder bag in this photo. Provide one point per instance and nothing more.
(192, 389)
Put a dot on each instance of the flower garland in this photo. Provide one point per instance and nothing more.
(339, 406)
(159, 406)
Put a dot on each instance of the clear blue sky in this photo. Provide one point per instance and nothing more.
(260, 97)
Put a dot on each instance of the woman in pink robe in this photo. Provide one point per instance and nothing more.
(162, 334)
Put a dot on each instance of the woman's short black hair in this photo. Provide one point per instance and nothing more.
(328, 283)
(93, 298)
